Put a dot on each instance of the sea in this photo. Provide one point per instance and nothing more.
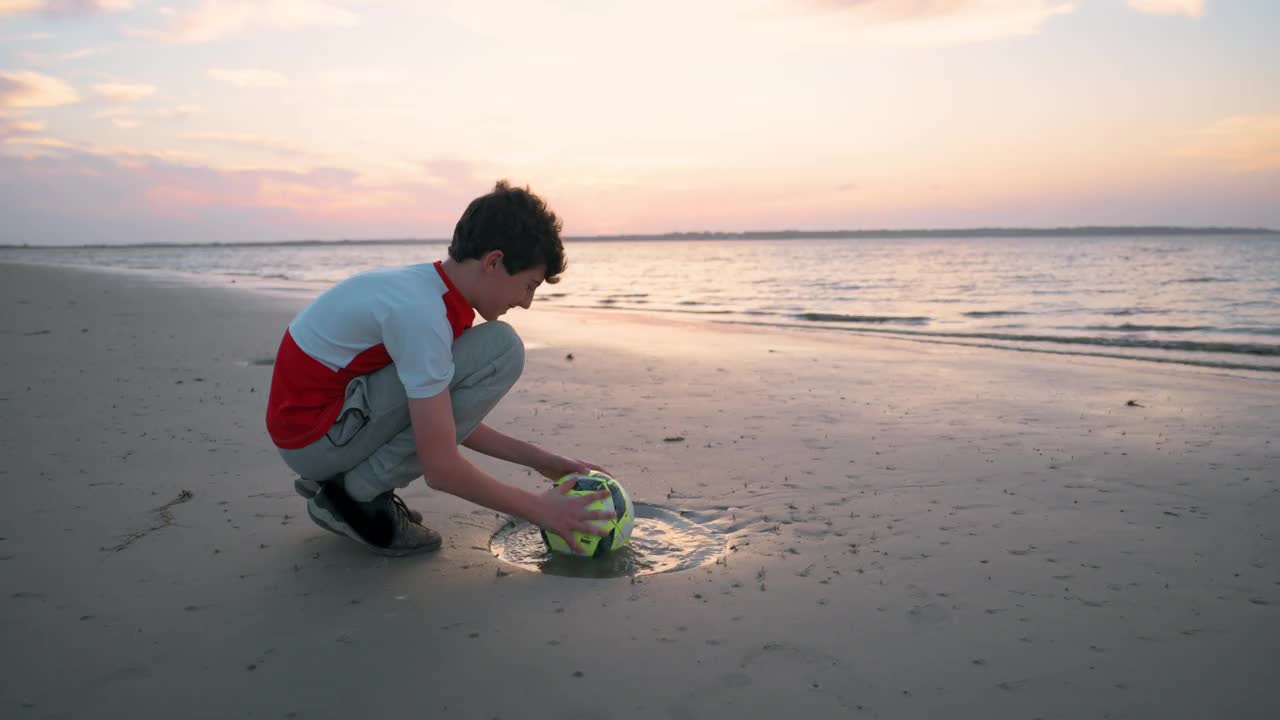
(1209, 301)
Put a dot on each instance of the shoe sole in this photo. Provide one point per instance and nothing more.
(334, 524)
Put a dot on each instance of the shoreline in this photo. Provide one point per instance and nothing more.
(283, 288)
(909, 530)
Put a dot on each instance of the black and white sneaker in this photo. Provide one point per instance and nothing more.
(384, 524)
(308, 489)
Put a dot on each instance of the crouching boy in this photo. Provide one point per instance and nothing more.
(379, 379)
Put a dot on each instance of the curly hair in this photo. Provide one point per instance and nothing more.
(515, 221)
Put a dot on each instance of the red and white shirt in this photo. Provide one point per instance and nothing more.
(409, 316)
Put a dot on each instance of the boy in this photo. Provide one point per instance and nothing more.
(381, 377)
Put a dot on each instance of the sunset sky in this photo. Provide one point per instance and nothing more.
(246, 121)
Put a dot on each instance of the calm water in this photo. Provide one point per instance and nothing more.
(1204, 300)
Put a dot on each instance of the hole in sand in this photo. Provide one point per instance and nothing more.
(662, 541)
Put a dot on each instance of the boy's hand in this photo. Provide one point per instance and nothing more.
(559, 466)
(562, 514)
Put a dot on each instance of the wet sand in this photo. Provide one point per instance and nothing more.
(911, 530)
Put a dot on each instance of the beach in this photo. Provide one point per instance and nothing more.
(910, 530)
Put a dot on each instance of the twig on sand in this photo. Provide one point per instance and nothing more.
(162, 519)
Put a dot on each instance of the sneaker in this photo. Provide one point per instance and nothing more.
(308, 489)
(383, 524)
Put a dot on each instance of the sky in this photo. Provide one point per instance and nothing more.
(125, 121)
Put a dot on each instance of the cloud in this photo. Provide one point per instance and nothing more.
(1241, 143)
(1190, 8)
(62, 7)
(256, 142)
(73, 195)
(39, 141)
(123, 92)
(943, 22)
(214, 20)
(249, 77)
(27, 89)
(11, 127)
(128, 116)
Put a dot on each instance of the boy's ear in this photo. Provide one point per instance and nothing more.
(491, 260)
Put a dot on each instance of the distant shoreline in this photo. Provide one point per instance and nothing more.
(983, 232)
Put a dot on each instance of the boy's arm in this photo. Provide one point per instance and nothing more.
(447, 470)
(497, 444)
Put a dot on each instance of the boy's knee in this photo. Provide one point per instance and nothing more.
(509, 346)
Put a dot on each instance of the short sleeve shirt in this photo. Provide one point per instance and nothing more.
(408, 316)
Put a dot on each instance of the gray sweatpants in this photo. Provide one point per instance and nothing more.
(371, 443)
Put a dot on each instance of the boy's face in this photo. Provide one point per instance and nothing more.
(503, 290)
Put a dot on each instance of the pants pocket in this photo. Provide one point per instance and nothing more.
(354, 415)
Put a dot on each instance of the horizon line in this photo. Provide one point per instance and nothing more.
(986, 231)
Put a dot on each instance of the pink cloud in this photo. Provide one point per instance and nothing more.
(71, 196)
(62, 7)
(123, 92)
(28, 89)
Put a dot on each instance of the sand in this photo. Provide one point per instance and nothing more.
(911, 530)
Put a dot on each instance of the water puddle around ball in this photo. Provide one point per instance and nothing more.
(662, 541)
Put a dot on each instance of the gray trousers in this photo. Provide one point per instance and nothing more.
(371, 443)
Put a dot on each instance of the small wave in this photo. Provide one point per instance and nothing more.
(1180, 345)
(1229, 348)
(994, 313)
(997, 342)
(875, 319)
(1126, 312)
(1130, 327)
(1252, 330)
(680, 311)
(1206, 279)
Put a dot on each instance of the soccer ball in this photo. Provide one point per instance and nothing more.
(617, 531)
